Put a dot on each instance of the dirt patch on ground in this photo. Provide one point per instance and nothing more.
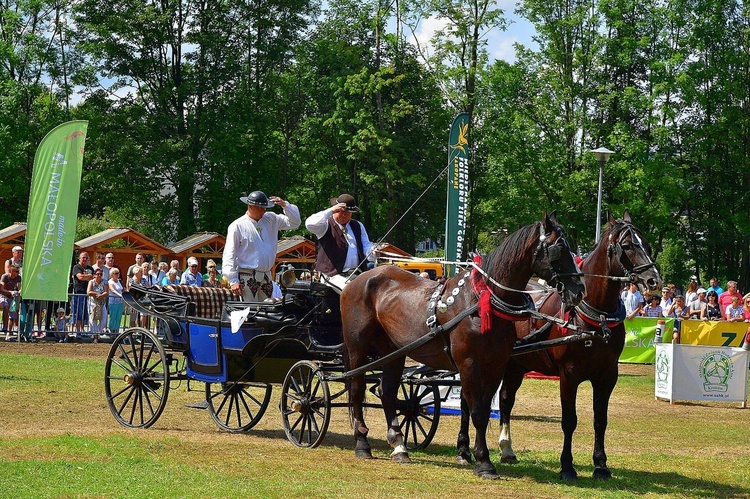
(48, 348)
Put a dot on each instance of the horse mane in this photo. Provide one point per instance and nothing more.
(502, 260)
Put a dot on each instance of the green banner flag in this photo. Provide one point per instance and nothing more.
(53, 211)
(458, 190)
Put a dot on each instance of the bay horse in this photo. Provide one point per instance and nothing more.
(622, 254)
(387, 309)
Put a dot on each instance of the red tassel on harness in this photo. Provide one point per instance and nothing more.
(485, 311)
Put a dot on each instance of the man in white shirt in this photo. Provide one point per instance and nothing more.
(343, 245)
(633, 300)
(250, 249)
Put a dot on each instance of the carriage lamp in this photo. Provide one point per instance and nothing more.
(602, 155)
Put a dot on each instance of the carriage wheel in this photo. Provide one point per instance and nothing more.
(237, 407)
(305, 405)
(418, 413)
(136, 378)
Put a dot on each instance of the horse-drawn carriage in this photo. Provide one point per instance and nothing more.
(239, 351)
(471, 325)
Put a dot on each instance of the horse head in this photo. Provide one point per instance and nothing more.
(629, 254)
(554, 262)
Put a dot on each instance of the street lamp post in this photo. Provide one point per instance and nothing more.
(602, 155)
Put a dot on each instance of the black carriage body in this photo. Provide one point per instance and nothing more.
(267, 344)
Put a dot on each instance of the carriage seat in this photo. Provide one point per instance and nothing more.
(209, 302)
(262, 314)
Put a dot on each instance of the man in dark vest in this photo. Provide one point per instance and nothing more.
(343, 245)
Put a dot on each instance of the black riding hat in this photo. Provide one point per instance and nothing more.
(349, 201)
(257, 198)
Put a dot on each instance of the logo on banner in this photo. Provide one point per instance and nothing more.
(662, 370)
(716, 370)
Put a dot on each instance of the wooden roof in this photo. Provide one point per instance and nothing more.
(14, 235)
(201, 242)
(122, 240)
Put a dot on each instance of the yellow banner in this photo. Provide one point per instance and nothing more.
(714, 333)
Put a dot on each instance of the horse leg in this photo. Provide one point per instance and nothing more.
(389, 383)
(357, 386)
(511, 383)
(462, 443)
(568, 392)
(479, 405)
(602, 388)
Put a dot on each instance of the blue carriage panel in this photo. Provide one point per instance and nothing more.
(205, 360)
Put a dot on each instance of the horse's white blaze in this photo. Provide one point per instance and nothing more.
(504, 441)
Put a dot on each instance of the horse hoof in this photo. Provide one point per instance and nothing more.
(602, 474)
(463, 459)
(401, 457)
(485, 471)
(569, 476)
(512, 459)
(363, 453)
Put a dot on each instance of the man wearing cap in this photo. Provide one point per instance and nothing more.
(250, 249)
(192, 276)
(17, 258)
(696, 305)
(342, 244)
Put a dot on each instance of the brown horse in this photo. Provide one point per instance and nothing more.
(623, 254)
(387, 309)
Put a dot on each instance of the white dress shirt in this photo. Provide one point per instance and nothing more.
(252, 245)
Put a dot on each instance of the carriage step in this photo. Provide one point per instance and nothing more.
(201, 404)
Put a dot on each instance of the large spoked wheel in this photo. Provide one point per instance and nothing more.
(305, 405)
(237, 407)
(136, 378)
(418, 413)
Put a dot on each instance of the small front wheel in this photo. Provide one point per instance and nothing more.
(237, 407)
(136, 378)
(305, 405)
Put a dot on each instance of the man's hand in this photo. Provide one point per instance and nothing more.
(278, 201)
(338, 208)
(236, 289)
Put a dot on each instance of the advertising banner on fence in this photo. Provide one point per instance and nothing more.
(458, 190)
(53, 211)
(719, 333)
(639, 339)
(707, 373)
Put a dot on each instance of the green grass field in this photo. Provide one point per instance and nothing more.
(59, 440)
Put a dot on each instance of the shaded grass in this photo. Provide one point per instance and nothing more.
(59, 440)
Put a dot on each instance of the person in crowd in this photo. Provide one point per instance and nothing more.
(17, 258)
(653, 309)
(164, 267)
(250, 249)
(725, 298)
(714, 286)
(211, 263)
(155, 275)
(98, 291)
(695, 307)
(734, 311)
(191, 276)
(746, 307)
(678, 311)
(140, 280)
(424, 275)
(10, 291)
(711, 311)
(115, 302)
(691, 293)
(342, 243)
(101, 263)
(666, 298)
(633, 300)
(139, 259)
(172, 278)
(81, 274)
(109, 263)
(61, 326)
(175, 264)
(213, 280)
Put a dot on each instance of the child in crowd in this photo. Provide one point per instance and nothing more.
(61, 323)
(735, 312)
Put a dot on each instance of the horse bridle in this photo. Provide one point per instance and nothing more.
(634, 273)
(553, 252)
